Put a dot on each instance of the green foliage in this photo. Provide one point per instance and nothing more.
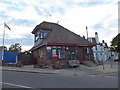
(1, 48)
(115, 44)
(15, 47)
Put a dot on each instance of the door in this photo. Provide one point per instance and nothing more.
(54, 55)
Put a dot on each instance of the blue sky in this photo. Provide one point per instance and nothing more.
(23, 15)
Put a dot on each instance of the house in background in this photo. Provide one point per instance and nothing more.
(52, 42)
(113, 54)
(101, 51)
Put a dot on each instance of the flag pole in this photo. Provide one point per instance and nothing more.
(3, 42)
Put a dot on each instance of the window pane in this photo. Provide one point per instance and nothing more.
(41, 35)
(36, 37)
(61, 54)
(88, 50)
(40, 53)
(45, 33)
(54, 52)
(49, 54)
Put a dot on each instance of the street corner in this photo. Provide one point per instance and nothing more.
(108, 68)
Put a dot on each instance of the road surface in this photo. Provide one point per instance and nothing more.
(37, 80)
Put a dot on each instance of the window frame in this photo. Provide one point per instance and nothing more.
(37, 37)
(41, 35)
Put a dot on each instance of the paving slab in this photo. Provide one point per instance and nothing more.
(80, 71)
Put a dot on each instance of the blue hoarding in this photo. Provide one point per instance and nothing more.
(9, 56)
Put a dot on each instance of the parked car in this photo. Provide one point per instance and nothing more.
(116, 59)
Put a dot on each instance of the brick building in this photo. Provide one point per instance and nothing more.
(54, 42)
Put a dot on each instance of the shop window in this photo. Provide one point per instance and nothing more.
(64, 52)
(70, 53)
(54, 52)
(56, 47)
(71, 49)
(49, 53)
(61, 54)
(40, 53)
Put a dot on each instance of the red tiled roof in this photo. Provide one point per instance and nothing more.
(60, 35)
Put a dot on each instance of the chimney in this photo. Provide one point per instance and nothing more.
(96, 37)
(83, 36)
(103, 41)
(104, 44)
(87, 31)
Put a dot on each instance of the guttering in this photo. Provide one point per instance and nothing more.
(71, 44)
(36, 47)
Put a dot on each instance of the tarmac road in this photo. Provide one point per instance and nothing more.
(12, 79)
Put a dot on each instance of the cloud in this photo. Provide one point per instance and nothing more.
(22, 22)
(26, 42)
(23, 15)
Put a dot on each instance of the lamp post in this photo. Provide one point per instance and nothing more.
(111, 57)
(102, 61)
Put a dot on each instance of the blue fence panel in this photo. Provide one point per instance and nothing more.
(9, 56)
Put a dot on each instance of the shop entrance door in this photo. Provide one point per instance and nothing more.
(54, 54)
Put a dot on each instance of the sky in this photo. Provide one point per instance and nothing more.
(23, 15)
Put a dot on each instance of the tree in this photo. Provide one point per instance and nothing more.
(1, 48)
(15, 47)
(115, 44)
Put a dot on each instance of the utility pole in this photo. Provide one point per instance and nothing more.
(5, 26)
(3, 42)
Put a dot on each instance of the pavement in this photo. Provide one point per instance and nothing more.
(82, 70)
